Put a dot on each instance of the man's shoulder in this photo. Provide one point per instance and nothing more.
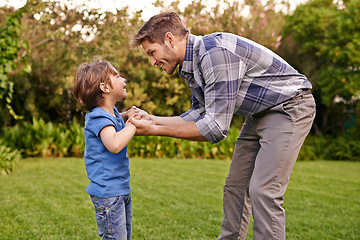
(223, 40)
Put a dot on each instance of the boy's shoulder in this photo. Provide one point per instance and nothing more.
(99, 116)
(98, 112)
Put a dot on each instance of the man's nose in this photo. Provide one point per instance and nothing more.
(153, 61)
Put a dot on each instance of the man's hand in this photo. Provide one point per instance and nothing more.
(143, 127)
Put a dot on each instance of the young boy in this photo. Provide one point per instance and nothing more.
(98, 86)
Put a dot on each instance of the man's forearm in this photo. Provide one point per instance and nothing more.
(164, 121)
(181, 129)
(168, 126)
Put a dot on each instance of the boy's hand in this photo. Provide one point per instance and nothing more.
(138, 114)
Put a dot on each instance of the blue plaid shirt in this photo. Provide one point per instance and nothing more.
(231, 75)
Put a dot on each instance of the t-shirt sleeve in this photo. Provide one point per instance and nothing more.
(99, 122)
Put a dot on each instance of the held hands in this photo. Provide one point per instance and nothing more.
(138, 114)
(141, 120)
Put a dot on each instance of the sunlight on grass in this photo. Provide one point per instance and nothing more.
(172, 199)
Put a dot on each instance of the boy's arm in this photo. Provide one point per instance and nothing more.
(116, 141)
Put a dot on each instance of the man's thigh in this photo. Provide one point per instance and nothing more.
(245, 152)
(282, 131)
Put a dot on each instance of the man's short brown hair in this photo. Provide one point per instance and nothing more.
(87, 80)
(157, 26)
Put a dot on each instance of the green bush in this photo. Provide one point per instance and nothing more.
(155, 146)
(8, 159)
(76, 139)
(40, 139)
(46, 139)
(343, 148)
(331, 148)
(313, 148)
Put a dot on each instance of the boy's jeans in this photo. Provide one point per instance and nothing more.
(113, 217)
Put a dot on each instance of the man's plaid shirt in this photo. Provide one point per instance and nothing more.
(228, 74)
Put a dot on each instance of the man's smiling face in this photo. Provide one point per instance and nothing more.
(161, 55)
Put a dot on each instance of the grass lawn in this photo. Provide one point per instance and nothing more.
(172, 199)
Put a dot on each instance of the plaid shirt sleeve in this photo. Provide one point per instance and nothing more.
(221, 71)
(195, 112)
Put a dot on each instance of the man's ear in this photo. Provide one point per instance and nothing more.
(169, 39)
(104, 87)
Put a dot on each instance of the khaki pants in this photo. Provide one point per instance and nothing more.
(264, 156)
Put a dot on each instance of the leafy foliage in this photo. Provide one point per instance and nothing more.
(155, 146)
(10, 45)
(46, 139)
(343, 148)
(41, 139)
(8, 159)
(323, 39)
(260, 22)
(61, 37)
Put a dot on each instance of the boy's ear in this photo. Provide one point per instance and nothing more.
(104, 87)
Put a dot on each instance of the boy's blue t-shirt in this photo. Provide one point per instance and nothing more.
(109, 173)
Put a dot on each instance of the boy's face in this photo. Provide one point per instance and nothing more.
(161, 55)
(118, 87)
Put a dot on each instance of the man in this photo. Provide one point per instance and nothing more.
(231, 75)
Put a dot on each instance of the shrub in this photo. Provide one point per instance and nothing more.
(155, 146)
(76, 139)
(342, 148)
(313, 148)
(40, 139)
(8, 159)
(331, 148)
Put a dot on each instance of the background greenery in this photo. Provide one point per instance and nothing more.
(43, 42)
(172, 199)
(41, 139)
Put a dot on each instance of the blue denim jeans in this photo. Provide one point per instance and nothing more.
(113, 217)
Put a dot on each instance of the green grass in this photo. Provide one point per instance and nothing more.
(172, 199)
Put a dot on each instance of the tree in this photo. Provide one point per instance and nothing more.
(261, 22)
(10, 60)
(323, 40)
(148, 87)
(60, 37)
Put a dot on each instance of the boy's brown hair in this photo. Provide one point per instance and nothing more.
(87, 80)
(157, 26)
